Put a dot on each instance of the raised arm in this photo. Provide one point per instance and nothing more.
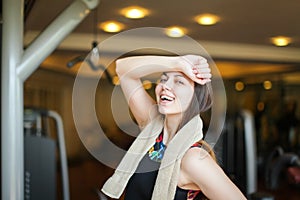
(131, 69)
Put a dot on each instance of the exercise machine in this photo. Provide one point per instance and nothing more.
(276, 163)
(40, 155)
(236, 150)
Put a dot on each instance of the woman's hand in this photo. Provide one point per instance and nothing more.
(195, 67)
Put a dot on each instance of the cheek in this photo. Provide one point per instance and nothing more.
(187, 96)
(158, 89)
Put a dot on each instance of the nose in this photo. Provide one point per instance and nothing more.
(166, 85)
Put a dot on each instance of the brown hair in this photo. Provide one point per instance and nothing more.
(201, 101)
(208, 148)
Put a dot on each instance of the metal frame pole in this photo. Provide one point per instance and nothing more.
(53, 35)
(17, 66)
(62, 152)
(12, 101)
(251, 172)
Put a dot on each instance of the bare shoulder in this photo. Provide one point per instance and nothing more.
(196, 156)
(196, 164)
(199, 168)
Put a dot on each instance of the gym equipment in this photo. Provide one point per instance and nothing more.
(40, 155)
(277, 161)
(18, 63)
(294, 175)
(237, 150)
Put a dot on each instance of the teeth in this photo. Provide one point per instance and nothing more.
(163, 97)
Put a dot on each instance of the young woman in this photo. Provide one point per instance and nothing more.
(166, 160)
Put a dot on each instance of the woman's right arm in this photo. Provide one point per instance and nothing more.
(131, 69)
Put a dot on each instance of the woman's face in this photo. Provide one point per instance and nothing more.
(174, 93)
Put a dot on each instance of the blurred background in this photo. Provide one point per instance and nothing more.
(255, 46)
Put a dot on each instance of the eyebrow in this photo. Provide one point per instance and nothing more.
(177, 75)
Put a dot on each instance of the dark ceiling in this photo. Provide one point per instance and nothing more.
(249, 22)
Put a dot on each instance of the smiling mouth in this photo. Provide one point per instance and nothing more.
(165, 98)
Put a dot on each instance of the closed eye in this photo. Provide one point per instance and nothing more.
(163, 80)
(180, 79)
(180, 82)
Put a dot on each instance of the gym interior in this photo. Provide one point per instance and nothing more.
(52, 93)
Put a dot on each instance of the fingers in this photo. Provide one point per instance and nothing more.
(194, 59)
(201, 68)
(202, 72)
(201, 60)
(197, 68)
(203, 81)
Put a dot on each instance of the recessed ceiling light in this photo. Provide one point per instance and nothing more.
(281, 41)
(267, 85)
(207, 19)
(111, 26)
(175, 31)
(135, 12)
(239, 86)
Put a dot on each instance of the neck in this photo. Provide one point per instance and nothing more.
(171, 127)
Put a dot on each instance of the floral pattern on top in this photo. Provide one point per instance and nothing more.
(192, 194)
(156, 152)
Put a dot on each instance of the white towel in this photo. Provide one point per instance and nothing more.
(167, 178)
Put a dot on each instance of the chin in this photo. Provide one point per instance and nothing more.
(161, 111)
(165, 111)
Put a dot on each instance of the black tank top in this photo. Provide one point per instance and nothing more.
(141, 184)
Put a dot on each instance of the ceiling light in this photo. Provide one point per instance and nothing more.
(207, 19)
(260, 106)
(267, 85)
(134, 12)
(175, 31)
(112, 26)
(239, 86)
(281, 41)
